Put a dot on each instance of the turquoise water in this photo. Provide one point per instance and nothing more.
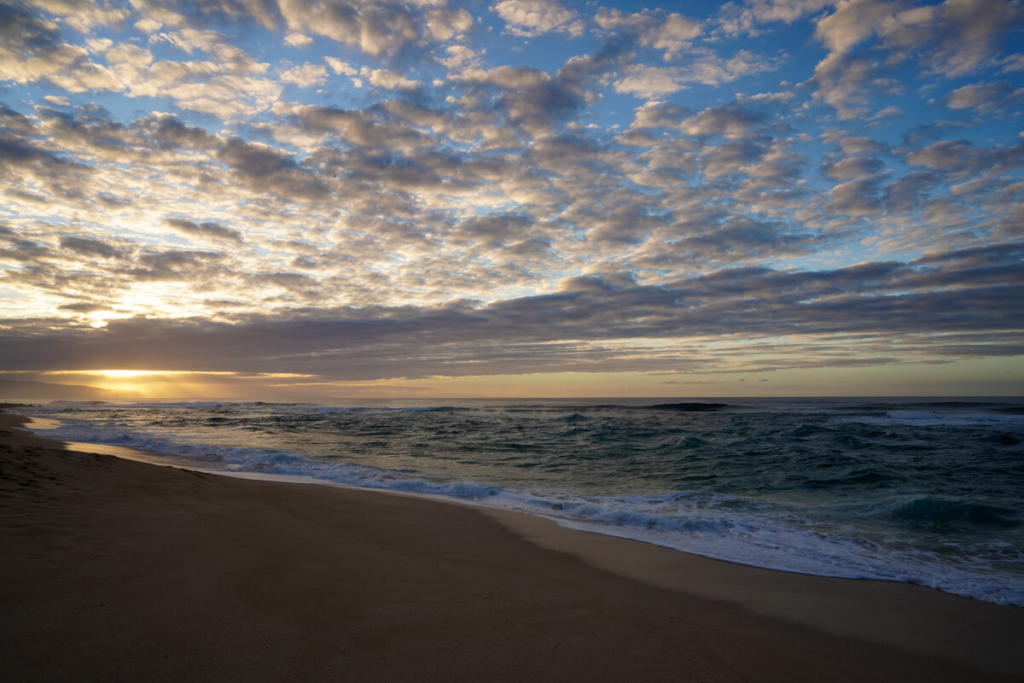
(928, 492)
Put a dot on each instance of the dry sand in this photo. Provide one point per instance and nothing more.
(114, 570)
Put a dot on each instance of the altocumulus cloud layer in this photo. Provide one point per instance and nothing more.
(366, 189)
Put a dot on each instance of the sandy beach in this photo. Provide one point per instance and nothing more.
(115, 570)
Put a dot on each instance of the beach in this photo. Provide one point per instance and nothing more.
(119, 570)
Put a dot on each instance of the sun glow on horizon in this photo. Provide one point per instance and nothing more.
(135, 373)
(147, 373)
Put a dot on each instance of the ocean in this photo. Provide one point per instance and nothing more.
(924, 491)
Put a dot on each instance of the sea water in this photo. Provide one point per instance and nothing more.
(922, 491)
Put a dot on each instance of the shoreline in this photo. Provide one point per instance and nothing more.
(498, 505)
(677, 612)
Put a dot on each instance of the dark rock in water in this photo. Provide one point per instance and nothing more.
(689, 407)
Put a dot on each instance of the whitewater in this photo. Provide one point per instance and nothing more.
(924, 491)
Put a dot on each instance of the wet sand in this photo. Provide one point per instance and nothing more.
(116, 570)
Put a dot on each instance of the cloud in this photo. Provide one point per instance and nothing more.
(340, 67)
(174, 265)
(962, 156)
(85, 246)
(954, 38)
(389, 80)
(841, 82)
(443, 25)
(25, 159)
(306, 75)
(734, 18)
(228, 88)
(81, 15)
(855, 198)
(530, 18)
(967, 33)
(910, 192)
(170, 132)
(652, 82)
(264, 169)
(376, 28)
(672, 35)
(31, 49)
(227, 97)
(1012, 63)
(954, 304)
(861, 145)
(297, 39)
(984, 96)
(730, 121)
(855, 21)
(356, 127)
(461, 57)
(853, 168)
(658, 115)
(208, 230)
(532, 101)
(668, 32)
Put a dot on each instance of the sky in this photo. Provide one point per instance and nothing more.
(299, 199)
